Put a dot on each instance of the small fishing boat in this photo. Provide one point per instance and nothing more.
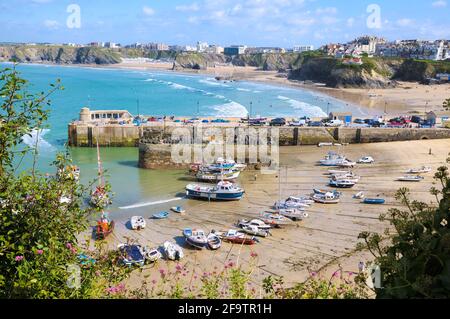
(294, 214)
(366, 160)
(343, 183)
(374, 201)
(328, 198)
(346, 163)
(332, 159)
(324, 192)
(254, 222)
(359, 195)
(138, 222)
(195, 238)
(208, 176)
(131, 255)
(161, 215)
(173, 251)
(104, 228)
(275, 220)
(422, 170)
(214, 241)
(255, 231)
(222, 191)
(304, 200)
(349, 178)
(152, 255)
(411, 178)
(178, 209)
(290, 204)
(236, 237)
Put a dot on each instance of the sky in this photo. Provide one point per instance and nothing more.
(283, 23)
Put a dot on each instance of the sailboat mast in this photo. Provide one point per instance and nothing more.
(99, 163)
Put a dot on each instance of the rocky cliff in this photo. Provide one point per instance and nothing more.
(59, 55)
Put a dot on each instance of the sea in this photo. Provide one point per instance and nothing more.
(153, 93)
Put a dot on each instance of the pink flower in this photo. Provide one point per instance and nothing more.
(253, 254)
(69, 246)
(19, 258)
(179, 268)
(313, 274)
(39, 251)
(154, 282)
(230, 264)
(336, 274)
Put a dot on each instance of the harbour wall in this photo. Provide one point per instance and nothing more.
(133, 136)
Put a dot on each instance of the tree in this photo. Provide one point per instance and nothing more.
(416, 262)
(446, 104)
(42, 216)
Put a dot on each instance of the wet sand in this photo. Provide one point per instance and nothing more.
(322, 242)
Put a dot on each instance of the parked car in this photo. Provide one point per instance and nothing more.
(360, 121)
(220, 121)
(278, 122)
(416, 119)
(334, 123)
(298, 123)
(315, 124)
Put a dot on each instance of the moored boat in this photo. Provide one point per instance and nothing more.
(161, 215)
(374, 201)
(293, 214)
(138, 222)
(131, 255)
(208, 176)
(223, 191)
(214, 241)
(152, 255)
(236, 237)
(173, 251)
(422, 170)
(104, 228)
(328, 198)
(359, 195)
(195, 238)
(342, 183)
(178, 209)
(411, 178)
(275, 220)
(255, 231)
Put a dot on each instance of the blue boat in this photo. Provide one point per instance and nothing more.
(223, 191)
(161, 215)
(374, 201)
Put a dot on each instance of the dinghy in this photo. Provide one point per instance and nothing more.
(411, 178)
(178, 209)
(294, 214)
(131, 255)
(366, 160)
(304, 200)
(161, 215)
(346, 163)
(255, 231)
(275, 220)
(138, 223)
(324, 192)
(374, 201)
(173, 251)
(359, 195)
(214, 241)
(223, 191)
(152, 255)
(422, 170)
(343, 183)
(195, 238)
(104, 228)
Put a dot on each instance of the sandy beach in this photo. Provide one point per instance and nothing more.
(322, 242)
(406, 99)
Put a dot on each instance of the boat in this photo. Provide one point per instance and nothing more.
(346, 163)
(254, 222)
(230, 163)
(290, 204)
(178, 209)
(359, 195)
(366, 160)
(349, 178)
(173, 251)
(131, 255)
(324, 192)
(411, 178)
(104, 227)
(152, 255)
(236, 237)
(161, 215)
(209, 176)
(138, 223)
(422, 170)
(293, 214)
(325, 144)
(214, 241)
(255, 231)
(222, 191)
(304, 200)
(195, 238)
(275, 220)
(374, 201)
(332, 159)
(342, 183)
(328, 198)
(338, 172)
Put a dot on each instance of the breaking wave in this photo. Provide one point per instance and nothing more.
(306, 108)
(36, 137)
(230, 109)
(213, 82)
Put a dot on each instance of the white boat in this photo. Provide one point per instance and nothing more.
(214, 241)
(152, 255)
(366, 160)
(411, 178)
(422, 170)
(290, 204)
(328, 198)
(304, 200)
(195, 238)
(222, 191)
(359, 195)
(254, 222)
(178, 209)
(346, 163)
(342, 183)
(138, 222)
(332, 159)
(325, 144)
(350, 178)
(338, 172)
(173, 251)
(293, 214)
(275, 220)
(255, 231)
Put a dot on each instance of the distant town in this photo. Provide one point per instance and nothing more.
(436, 50)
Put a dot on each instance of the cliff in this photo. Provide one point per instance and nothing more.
(59, 55)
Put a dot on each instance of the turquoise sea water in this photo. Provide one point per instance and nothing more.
(159, 93)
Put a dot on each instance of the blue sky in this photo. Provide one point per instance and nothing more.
(252, 22)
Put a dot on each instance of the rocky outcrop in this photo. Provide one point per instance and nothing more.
(59, 55)
(197, 61)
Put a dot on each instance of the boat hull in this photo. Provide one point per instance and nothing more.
(215, 196)
(372, 201)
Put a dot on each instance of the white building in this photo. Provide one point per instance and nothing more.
(202, 46)
(111, 45)
(215, 49)
(303, 48)
(158, 47)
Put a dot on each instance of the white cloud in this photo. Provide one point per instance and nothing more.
(148, 11)
(439, 4)
(51, 24)
(190, 7)
(405, 22)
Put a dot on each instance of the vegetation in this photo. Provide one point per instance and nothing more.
(39, 252)
(416, 262)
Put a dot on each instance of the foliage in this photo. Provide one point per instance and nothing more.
(416, 263)
(446, 105)
(42, 216)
